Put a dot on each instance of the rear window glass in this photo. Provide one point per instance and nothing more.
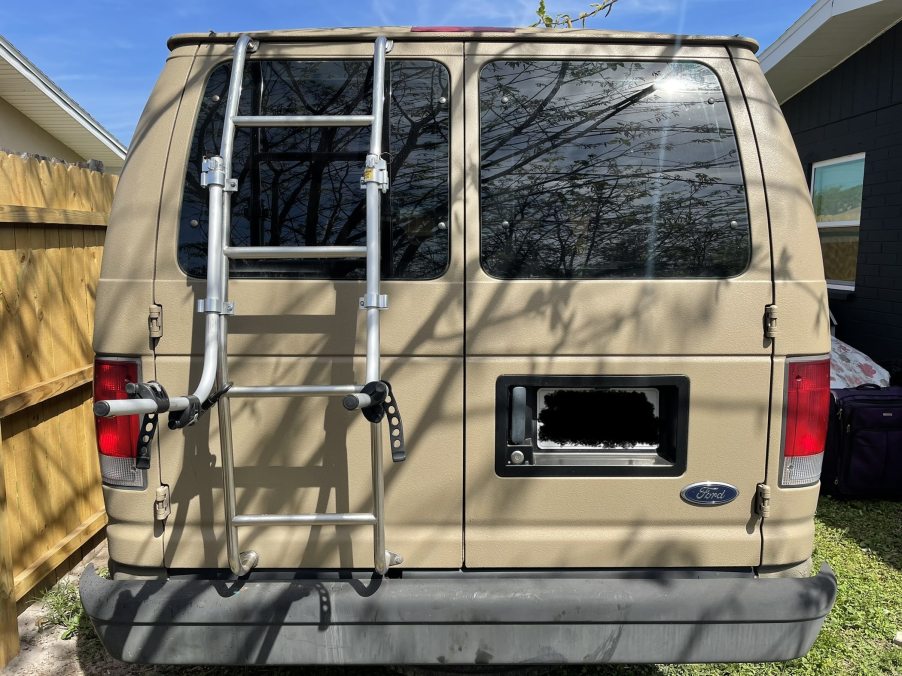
(605, 169)
(301, 186)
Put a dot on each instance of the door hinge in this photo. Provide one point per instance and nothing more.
(155, 321)
(762, 501)
(161, 508)
(770, 321)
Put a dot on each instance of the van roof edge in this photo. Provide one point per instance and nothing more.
(406, 33)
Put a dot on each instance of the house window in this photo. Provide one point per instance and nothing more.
(836, 193)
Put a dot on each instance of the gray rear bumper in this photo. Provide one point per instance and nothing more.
(458, 620)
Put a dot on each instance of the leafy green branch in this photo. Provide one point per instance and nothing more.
(567, 20)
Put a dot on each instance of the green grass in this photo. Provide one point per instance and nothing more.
(862, 542)
(62, 607)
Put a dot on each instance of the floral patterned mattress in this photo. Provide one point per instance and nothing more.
(851, 368)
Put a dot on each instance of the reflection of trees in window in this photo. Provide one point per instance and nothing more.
(837, 203)
(301, 187)
(608, 169)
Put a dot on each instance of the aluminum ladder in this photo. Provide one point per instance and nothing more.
(374, 399)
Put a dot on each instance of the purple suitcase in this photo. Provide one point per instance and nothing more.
(863, 456)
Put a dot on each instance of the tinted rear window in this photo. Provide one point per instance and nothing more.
(601, 169)
(301, 186)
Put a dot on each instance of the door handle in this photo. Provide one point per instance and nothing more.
(518, 415)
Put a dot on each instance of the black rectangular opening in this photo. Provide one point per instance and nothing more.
(591, 425)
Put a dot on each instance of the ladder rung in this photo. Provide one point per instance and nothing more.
(294, 391)
(350, 519)
(294, 252)
(302, 120)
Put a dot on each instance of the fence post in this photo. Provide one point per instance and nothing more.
(9, 628)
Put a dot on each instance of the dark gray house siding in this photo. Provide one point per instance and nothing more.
(857, 107)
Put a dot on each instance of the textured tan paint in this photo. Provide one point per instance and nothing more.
(789, 532)
(299, 455)
(711, 316)
(622, 521)
(285, 318)
(311, 455)
(636, 521)
(801, 296)
(801, 293)
(125, 289)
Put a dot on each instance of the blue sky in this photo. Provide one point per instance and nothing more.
(106, 54)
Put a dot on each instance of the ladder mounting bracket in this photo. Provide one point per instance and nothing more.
(374, 301)
(212, 171)
(375, 171)
(212, 305)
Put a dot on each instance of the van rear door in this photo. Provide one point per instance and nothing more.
(618, 269)
(298, 323)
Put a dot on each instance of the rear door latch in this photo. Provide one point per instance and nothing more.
(770, 321)
(155, 321)
(762, 501)
(161, 507)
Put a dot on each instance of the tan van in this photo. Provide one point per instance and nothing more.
(479, 346)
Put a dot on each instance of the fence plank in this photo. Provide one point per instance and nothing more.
(52, 228)
(9, 630)
(32, 576)
(35, 394)
(45, 215)
(32, 182)
(9, 303)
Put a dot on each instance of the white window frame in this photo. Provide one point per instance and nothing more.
(840, 285)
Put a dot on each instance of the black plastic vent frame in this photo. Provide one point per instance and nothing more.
(673, 422)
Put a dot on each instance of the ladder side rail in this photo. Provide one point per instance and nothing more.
(240, 562)
(371, 300)
(221, 170)
(373, 216)
(219, 211)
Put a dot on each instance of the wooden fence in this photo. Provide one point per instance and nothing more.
(52, 220)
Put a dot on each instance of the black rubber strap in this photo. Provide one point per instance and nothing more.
(213, 398)
(181, 419)
(145, 436)
(155, 392)
(395, 426)
(376, 391)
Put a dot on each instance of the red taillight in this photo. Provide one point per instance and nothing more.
(807, 411)
(117, 438)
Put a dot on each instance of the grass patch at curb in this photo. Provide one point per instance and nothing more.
(62, 607)
(862, 542)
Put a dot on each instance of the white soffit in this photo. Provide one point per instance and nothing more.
(32, 93)
(823, 37)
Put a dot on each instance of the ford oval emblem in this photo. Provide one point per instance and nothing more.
(709, 493)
